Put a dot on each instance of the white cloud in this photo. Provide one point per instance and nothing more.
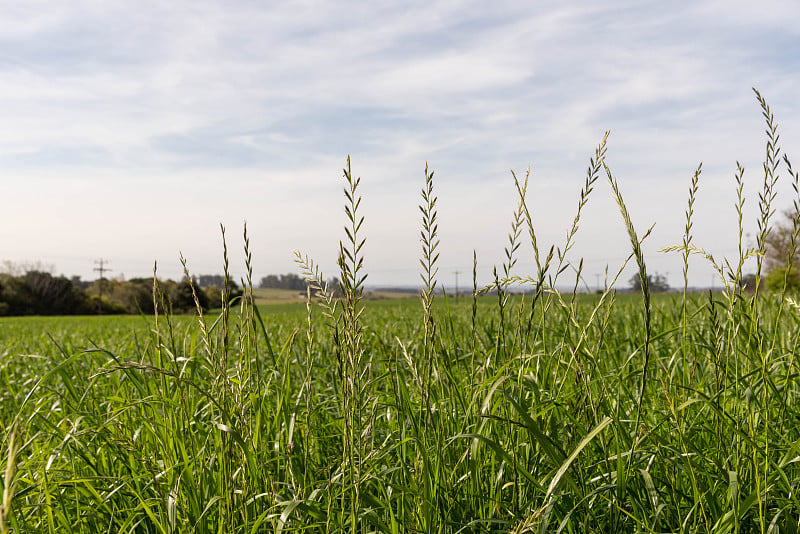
(220, 111)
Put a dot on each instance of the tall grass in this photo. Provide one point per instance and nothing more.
(553, 411)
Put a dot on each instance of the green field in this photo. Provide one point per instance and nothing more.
(509, 423)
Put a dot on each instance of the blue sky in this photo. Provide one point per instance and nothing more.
(133, 129)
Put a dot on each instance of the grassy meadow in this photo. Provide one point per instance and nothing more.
(555, 411)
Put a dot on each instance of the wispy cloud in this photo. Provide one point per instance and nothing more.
(169, 105)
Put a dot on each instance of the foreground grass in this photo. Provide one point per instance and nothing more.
(142, 435)
(550, 412)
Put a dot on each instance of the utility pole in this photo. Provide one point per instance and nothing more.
(597, 285)
(456, 273)
(101, 269)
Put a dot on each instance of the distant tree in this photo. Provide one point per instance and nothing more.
(777, 277)
(136, 296)
(55, 295)
(41, 293)
(14, 296)
(181, 297)
(295, 282)
(5, 308)
(234, 291)
(283, 281)
(779, 243)
(210, 280)
(215, 296)
(656, 282)
(782, 254)
(269, 281)
(77, 282)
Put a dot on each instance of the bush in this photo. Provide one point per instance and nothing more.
(181, 297)
(777, 277)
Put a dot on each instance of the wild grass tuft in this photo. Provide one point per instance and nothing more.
(9, 477)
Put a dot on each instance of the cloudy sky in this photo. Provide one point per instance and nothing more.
(132, 130)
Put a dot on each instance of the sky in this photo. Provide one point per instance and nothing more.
(133, 130)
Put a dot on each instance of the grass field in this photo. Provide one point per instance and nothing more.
(126, 427)
(552, 412)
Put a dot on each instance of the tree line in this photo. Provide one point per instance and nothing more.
(42, 293)
(292, 281)
(39, 292)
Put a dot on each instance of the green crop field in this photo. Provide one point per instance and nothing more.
(550, 412)
(493, 423)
